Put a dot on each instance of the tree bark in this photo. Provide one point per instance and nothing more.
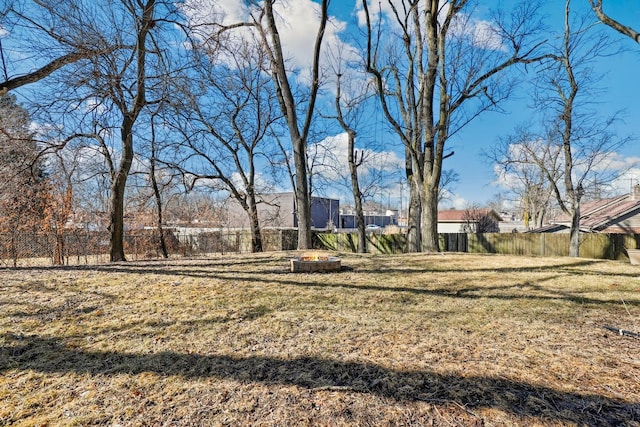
(118, 186)
(357, 194)
(430, 219)
(572, 192)
(256, 237)
(574, 245)
(158, 199)
(414, 211)
(303, 198)
(596, 5)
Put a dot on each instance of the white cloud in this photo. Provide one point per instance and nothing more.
(626, 180)
(41, 130)
(225, 12)
(297, 21)
(459, 202)
(480, 33)
(261, 183)
(94, 104)
(506, 180)
(3, 32)
(483, 35)
(616, 161)
(331, 157)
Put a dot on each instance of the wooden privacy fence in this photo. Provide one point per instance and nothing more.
(592, 245)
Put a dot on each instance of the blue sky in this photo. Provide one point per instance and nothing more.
(477, 181)
(621, 93)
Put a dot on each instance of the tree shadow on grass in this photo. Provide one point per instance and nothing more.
(521, 399)
(511, 290)
(203, 268)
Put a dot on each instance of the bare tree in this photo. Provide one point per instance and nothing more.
(297, 106)
(267, 27)
(517, 156)
(103, 97)
(130, 107)
(51, 37)
(597, 6)
(443, 75)
(575, 143)
(157, 187)
(537, 198)
(225, 122)
(352, 159)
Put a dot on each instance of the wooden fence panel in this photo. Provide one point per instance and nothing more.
(454, 242)
(592, 245)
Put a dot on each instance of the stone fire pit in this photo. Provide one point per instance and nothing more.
(313, 262)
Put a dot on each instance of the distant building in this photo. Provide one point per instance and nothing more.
(278, 210)
(348, 219)
(468, 221)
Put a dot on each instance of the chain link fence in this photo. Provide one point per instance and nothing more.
(80, 247)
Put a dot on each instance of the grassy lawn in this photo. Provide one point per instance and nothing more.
(426, 339)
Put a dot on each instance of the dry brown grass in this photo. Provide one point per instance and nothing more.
(391, 340)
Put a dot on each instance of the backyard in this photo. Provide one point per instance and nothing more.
(417, 339)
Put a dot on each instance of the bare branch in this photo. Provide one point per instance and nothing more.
(596, 5)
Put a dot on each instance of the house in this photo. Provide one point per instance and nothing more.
(468, 221)
(619, 214)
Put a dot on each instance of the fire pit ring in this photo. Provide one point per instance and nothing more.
(314, 263)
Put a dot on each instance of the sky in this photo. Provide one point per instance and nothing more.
(477, 182)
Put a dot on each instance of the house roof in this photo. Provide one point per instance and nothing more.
(550, 228)
(459, 215)
(596, 207)
(597, 215)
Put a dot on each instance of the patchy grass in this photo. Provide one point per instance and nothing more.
(424, 339)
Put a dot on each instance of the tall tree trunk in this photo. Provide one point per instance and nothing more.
(540, 217)
(414, 218)
(60, 219)
(158, 198)
(254, 220)
(357, 194)
(414, 207)
(430, 218)
(118, 186)
(129, 117)
(574, 241)
(157, 195)
(303, 199)
(354, 163)
(289, 106)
